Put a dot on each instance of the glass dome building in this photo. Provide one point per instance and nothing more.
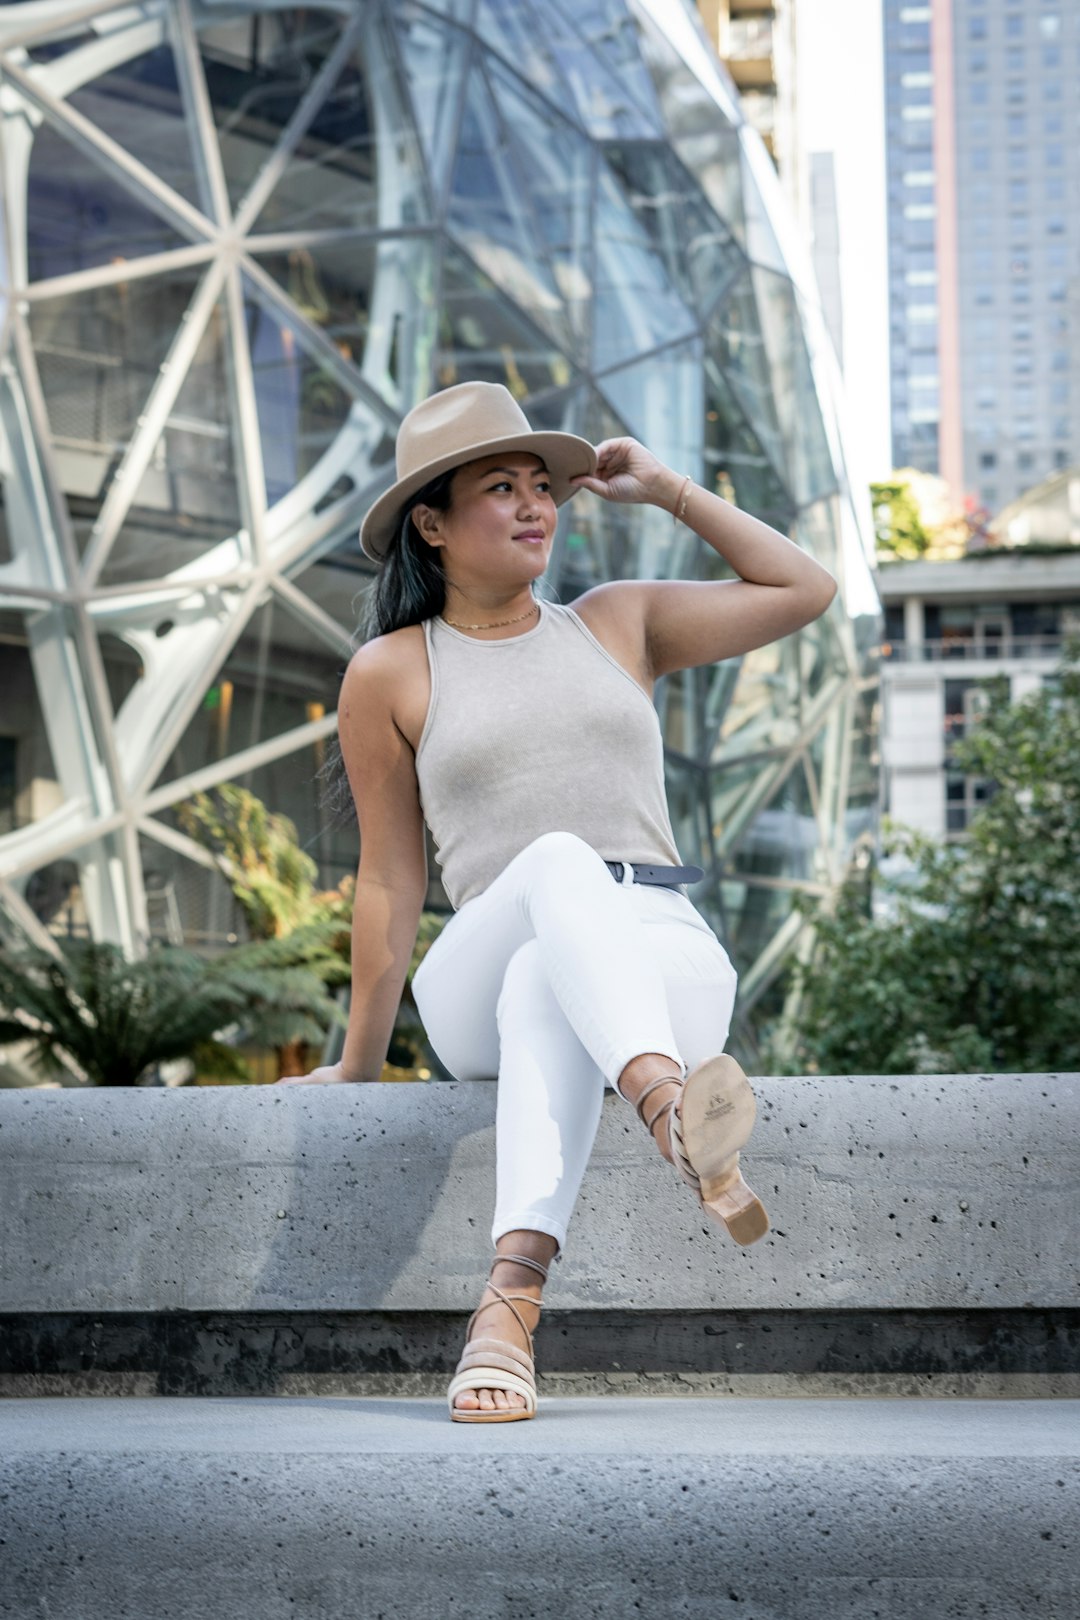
(239, 241)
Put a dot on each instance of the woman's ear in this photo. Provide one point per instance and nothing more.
(426, 520)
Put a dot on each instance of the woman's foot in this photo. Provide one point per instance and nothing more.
(497, 1321)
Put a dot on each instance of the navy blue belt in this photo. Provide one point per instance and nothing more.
(669, 877)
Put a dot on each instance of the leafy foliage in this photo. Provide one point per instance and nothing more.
(969, 961)
(114, 1019)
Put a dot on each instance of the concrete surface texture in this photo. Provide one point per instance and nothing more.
(771, 1510)
(925, 1191)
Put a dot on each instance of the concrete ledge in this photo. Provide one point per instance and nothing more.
(980, 1353)
(926, 1192)
(116, 1510)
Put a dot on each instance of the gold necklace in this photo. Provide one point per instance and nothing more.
(495, 624)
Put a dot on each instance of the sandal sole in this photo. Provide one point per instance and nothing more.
(716, 1116)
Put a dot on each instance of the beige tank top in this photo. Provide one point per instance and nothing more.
(540, 732)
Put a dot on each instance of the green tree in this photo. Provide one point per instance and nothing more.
(90, 1010)
(970, 959)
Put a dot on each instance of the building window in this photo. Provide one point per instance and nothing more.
(964, 798)
(1051, 56)
(977, 28)
(1055, 155)
(987, 460)
(1014, 26)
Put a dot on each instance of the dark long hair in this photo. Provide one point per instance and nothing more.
(409, 587)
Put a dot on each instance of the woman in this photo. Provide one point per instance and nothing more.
(525, 735)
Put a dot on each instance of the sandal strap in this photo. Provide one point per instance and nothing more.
(522, 1260)
(663, 1080)
(507, 1299)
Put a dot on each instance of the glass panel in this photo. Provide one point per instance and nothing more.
(817, 531)
(77, 216)
(435, 58)
(698, 251)
(761, 243)
(737, 348)
(543, 46)
(482, 336)
(278, 675)
(54, 894)
(358, 164)
(752, 917)
(301, 405)
(735, 461)
(33, 785)
(637, 309)
(187, 903)
(599, 50)
(661, 401)
(375, 300)
(489, 213)
(98, 355)
(687, 798)
(139, 105)
(605, 540)
(339, 582)
(809, 459)
(763, 711)
(291, 786)
(258, 68)
(783, 837)
(554, 166)
(188, 500)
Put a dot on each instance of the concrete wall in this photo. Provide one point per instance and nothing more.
(921, 1192)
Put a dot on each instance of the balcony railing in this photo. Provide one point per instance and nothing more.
(966, 647)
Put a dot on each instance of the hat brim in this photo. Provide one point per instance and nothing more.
(565, 455)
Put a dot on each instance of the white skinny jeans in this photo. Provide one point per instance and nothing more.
(552, 979)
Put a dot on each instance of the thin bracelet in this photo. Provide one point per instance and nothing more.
(684, 496)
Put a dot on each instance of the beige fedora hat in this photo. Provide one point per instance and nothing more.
(459, 424)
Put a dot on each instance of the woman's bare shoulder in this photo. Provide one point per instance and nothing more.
(391, 671)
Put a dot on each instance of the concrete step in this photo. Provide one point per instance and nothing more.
(156, 1509)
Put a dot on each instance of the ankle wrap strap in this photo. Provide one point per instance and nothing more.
(664, 1080)
(522, 1260)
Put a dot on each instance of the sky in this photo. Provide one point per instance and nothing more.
(841, 109)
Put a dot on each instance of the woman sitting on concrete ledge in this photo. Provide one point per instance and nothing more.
(524, 734)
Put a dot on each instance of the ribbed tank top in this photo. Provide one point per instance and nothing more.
(536, 733)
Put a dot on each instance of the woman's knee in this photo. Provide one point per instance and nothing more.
(557, 852)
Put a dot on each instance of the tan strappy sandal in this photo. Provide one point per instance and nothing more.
(714, 1118)
(489, 1363)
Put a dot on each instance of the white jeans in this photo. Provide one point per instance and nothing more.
(552, 979)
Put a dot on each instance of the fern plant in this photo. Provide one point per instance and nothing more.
(115, 1019)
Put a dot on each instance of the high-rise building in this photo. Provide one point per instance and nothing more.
(984, 245)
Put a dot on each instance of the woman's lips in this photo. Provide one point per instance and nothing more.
(533, 539)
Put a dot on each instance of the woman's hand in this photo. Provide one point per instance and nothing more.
(329, 1075)
(627, 472)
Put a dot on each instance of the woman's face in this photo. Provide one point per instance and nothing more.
(500, 524)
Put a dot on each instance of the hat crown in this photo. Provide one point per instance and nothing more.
(457, 419)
